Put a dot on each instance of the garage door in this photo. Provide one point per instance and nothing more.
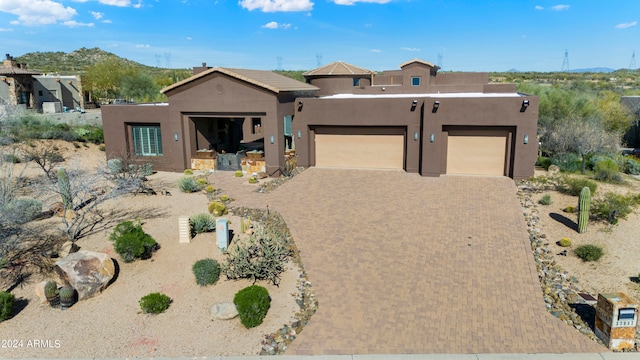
(360, 151)
(480, 152)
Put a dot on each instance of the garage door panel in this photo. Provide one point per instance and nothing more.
(360, 151)
(477, 154)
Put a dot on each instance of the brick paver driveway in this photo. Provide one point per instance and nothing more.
(406, 264)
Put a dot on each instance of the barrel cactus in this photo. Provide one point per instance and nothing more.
(51, 293)
(583, 209)
(67, 297)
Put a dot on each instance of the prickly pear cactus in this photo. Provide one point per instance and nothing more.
(583, 209)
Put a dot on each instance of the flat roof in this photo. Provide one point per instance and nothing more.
(423, 95)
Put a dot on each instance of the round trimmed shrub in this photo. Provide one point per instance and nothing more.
(253, 180)
(188, 184)
(238, 173)
(224, 198)
(564, 242)
(131, 242)
(206, 271)
(253, 303)
(217, 208)
(6, 305)
(154, 303)
(188, 172)
(201, 181)
(589, 252)
(209, 189)
(607, 170)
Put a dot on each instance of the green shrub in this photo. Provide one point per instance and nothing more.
(11, 158)
(238, 173)
(188, 185)
(570, 209)
(260, 257)
(564, 242)
(6, 305)
(589, 252)
(607, 170)
(573, 185)
(21, 211)
(154, 303)
(611, 206)
(210, 189)
(630, 165)
(101, 147)
(253, 180)
(206, 271)
(188, 172)
(224, 198)
(217, 208)
(570, 162)
(545, 200)
(543, 162)
(253, 303)
(131, 242)
(201, 223)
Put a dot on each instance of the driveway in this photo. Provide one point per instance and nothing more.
(406, 264)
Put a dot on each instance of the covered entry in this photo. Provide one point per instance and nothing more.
(360, 147)
(477, 152)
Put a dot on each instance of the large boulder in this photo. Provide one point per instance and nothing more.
(86, 271)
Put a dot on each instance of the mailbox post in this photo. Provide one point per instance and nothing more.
(616, 320)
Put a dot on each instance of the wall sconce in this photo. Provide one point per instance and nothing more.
(414, 104)
(175, 136)
(526, 139)
(299, 134)
(436, 105)
(432, 137)
(272, 139)
(300, 105)
(525, 105)
(415, 136)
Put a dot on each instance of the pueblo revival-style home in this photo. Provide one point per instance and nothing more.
(413, 119)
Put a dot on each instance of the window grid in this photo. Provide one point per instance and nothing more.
(147, 140)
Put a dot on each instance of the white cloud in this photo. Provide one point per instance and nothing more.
(538, 7)
(5, 30)
(375, 50)
(106, 21)
(410, 49)
(143, 46)
(275, 25)
(97, 15)
(73, 23)
(37, 12)
(626, 25)
(138, 5)
(121, 3)
(560, 7)
(353, 2)
(189, 38)
(277, 5)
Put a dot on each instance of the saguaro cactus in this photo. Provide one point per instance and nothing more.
(583, 209)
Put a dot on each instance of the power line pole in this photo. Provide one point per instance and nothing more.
(565, 63)
(632, 64)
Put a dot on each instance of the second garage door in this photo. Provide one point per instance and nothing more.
(371, 151)
(477, 152)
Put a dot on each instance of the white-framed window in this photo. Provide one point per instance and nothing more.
(416, 80)
(147, 140)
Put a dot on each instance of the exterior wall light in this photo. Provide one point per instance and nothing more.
(299, 134)
(175, 136)
(415, 136)
(436, 105)
(526, 139)
(272, 139)
(300, 105)
(414, 104)
(432, 137)
(525, 105)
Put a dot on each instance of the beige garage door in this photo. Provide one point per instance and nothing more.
(476, 152)
(360, 151)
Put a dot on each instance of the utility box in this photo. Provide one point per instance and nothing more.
(616, 320)
(222, 233)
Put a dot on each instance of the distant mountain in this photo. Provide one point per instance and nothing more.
(71, 63)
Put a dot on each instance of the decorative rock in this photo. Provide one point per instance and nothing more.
(224, 311)
(67, 248)
(86, 271)
(40, 291)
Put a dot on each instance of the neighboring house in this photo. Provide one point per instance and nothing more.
(19, 86)
(16, 83)
(412, 119)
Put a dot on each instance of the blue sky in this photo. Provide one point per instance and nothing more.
(460, 35)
